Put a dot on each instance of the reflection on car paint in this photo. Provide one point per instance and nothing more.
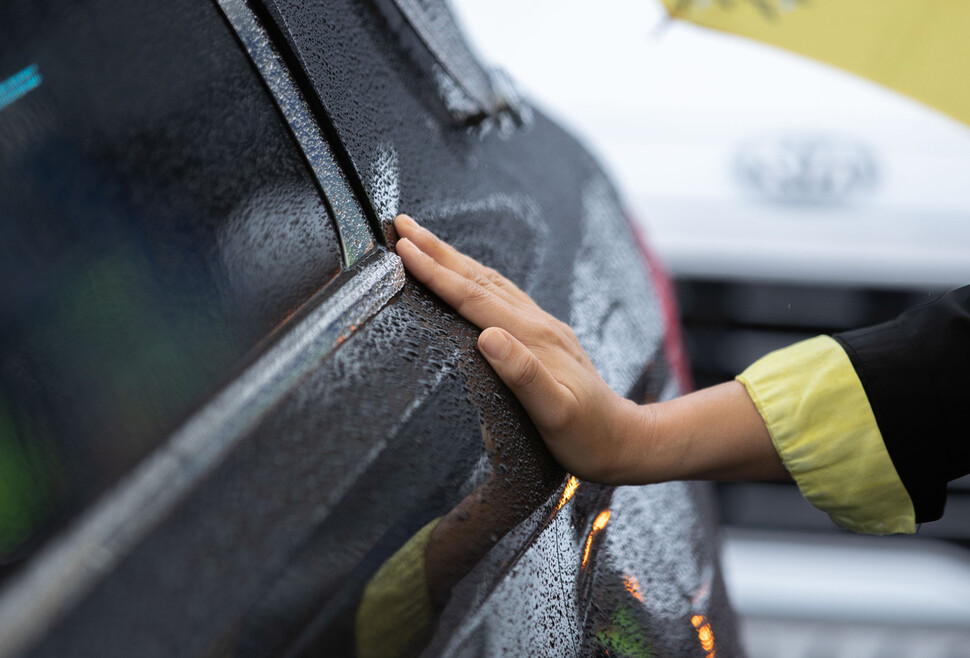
(568, 492)
(515, 226)
(599, 523)
(533, 607)
(351, 527)
(29, 475)
(704, 633)
(352, 226)
(400, 604)
(633, 586)
(70, 567)
(270, 242)
(655, 524)
(19, 85)
(607, 317)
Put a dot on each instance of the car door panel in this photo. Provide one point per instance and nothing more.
(575, 265)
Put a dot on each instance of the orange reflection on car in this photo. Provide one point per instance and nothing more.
(598, 524)
(633, 587)
(704, 633)
(568, 492)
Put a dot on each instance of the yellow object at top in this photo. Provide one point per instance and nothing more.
(918, 47)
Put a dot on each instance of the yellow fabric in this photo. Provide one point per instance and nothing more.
(395, 618)
(917, 47)
(822, 426)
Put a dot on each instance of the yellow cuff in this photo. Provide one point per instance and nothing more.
(824, 430)
(395, 618)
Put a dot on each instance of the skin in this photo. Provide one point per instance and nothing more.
(595, 434)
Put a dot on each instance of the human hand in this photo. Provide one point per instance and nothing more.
(711, 434)
(537, 356)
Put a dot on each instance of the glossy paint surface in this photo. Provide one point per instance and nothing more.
(395, 468)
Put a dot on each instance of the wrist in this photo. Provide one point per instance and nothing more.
(636, 430)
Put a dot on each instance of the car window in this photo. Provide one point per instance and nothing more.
(157, 221)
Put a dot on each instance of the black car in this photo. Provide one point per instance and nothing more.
(229, 423)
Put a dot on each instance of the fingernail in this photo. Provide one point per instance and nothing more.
(494, 344)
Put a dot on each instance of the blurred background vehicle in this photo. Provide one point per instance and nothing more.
(787, 198)
(229, 424)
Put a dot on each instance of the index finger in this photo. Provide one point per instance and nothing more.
(448, 256)
(476, 303)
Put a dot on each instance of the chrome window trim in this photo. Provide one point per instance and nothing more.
(472, 92)
(356, 237)
(456, 60)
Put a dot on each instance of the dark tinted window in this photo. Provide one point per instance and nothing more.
(156, 222)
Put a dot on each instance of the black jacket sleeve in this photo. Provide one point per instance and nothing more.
(915, 371)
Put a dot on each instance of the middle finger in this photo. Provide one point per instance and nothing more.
(480, 305)
(466, 266)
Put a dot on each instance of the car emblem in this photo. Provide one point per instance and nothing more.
(806, 169)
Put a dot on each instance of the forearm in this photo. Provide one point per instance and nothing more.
(711, 434)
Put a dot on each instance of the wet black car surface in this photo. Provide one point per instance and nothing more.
(232, 415)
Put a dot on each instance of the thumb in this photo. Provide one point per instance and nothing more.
(524, 374)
